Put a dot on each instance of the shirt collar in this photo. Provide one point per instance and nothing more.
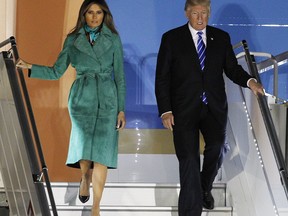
(194, 31)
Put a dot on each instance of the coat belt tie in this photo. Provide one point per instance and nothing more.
(83, 78)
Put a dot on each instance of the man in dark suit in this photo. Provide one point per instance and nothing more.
(191, 97)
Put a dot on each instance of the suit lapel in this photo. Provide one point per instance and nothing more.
(189, 40)
(209, 47)
(190, 46)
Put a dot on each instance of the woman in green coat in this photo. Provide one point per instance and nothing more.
(97, 96)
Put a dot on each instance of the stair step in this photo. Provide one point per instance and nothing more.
(132, 194)
(135, 211)
(133, 199)
(3, 198)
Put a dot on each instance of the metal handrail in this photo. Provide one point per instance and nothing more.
(44, 172)
(275, 64)
(275, 144)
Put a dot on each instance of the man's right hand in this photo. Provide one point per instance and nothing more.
(168, 121)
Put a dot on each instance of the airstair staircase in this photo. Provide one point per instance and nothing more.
(134, 199)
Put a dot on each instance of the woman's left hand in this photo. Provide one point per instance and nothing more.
(121, 121)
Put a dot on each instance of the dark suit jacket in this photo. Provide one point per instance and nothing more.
(180, 82)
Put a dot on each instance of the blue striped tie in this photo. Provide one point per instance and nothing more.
(201, 54)
(201, 49)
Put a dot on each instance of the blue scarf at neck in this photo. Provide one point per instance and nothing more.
(93, 32)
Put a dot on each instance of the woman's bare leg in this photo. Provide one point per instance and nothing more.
(85, 177)
(98, 182)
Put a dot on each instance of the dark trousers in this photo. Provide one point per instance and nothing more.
(192, 181)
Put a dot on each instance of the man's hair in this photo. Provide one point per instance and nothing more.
(192, 3)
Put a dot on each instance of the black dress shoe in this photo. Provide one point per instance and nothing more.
(83, 199)
(208, 200)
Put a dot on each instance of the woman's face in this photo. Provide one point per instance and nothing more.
(94, 16)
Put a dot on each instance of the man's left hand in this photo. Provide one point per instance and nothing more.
(256, 87)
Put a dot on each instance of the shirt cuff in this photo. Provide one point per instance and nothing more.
(165, 113)
(249, 81)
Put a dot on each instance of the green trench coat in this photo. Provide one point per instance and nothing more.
(96, 96)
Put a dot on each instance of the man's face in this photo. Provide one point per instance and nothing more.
(198, 16)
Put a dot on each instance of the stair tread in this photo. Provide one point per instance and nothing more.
(137, 208)
(131, 185)
(133, 194)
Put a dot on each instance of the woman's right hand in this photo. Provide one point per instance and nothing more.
(22, 64)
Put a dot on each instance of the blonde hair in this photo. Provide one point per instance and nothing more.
(205, 3)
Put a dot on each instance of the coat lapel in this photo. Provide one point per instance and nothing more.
(82, 44)
(103, 43)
